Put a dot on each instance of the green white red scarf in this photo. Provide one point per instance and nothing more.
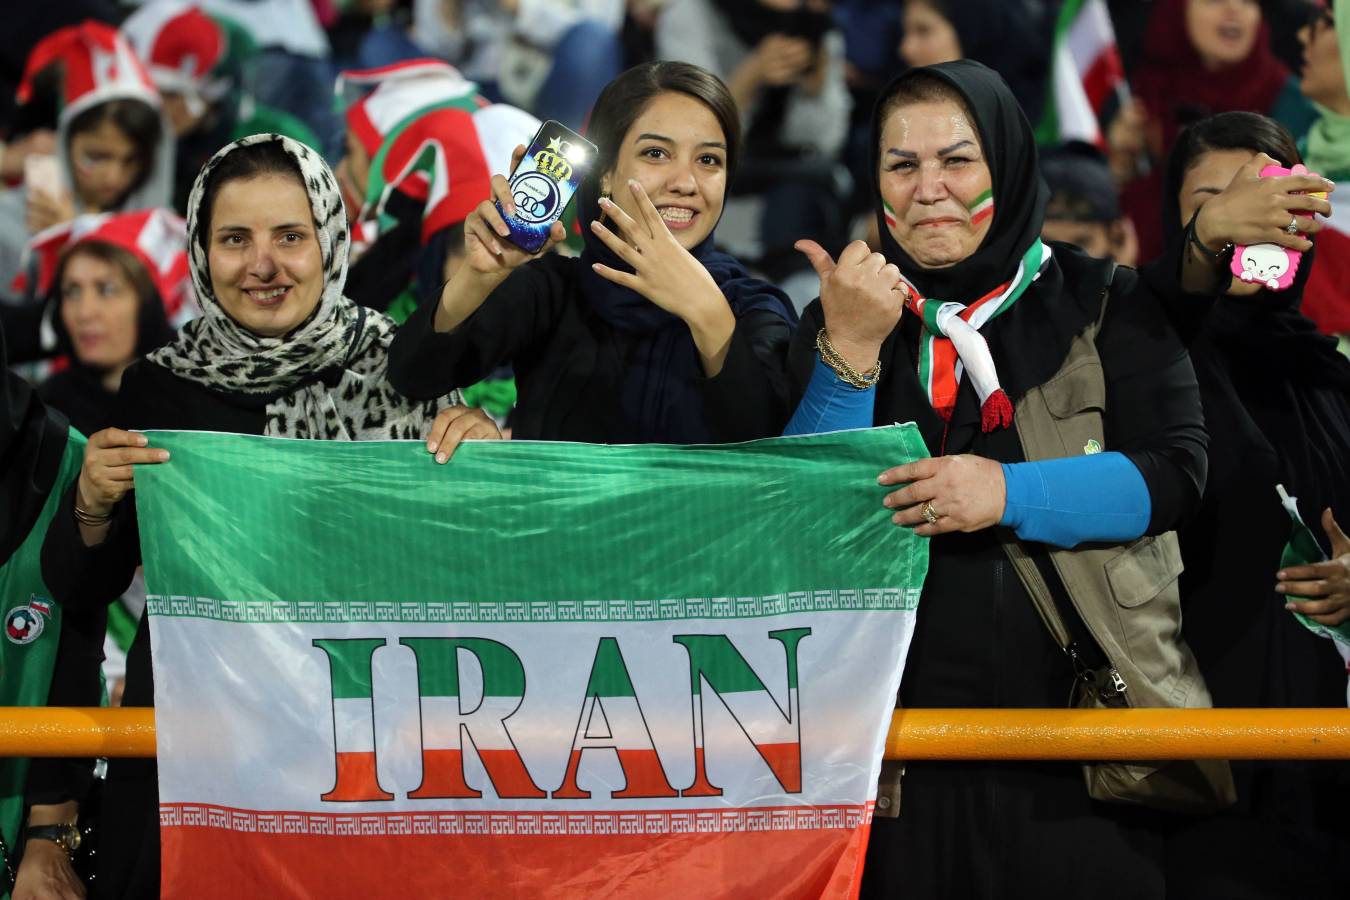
(952, 344)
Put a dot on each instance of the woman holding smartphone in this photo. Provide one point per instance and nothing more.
(652, 336)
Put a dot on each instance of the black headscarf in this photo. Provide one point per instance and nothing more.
(1020, 193)
(1030, 340)
(661, 390)
(1283, 383)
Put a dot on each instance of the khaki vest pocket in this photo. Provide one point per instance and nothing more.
(1144, 569)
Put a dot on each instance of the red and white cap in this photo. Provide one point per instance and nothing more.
(156, 237)
(98, 64)
(181, 46)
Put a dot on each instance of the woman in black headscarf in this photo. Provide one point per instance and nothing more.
(652, 335)
(1058, 417)
(1277, 406)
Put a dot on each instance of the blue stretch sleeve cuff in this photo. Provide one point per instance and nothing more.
(831, 404)
(1066, 502)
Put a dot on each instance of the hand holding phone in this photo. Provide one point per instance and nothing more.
(543, 182)
(487, 245)
(48, 200)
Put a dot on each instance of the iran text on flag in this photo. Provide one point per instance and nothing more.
(1087, 78)
(544, 669)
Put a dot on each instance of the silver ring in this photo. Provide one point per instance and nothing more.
(1292, 227)
(929, 513)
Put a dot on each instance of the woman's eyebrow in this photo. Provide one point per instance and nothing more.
(290, 226)
(954, 147)
(903, 154)
(648, 136)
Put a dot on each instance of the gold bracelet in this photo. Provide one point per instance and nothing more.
(830, 356)
(93, 520)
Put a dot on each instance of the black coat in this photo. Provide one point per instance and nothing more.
(570, 363)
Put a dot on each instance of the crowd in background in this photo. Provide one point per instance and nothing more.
(400, 116)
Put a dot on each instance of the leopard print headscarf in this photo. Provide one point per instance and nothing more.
(348, 343)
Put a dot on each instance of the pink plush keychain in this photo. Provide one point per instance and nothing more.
(1270, 265)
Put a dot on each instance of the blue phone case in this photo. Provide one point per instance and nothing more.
(544, 183)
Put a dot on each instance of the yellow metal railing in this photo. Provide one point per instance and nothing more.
(1118, 734)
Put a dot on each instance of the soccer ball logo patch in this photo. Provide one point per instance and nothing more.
(24, 624)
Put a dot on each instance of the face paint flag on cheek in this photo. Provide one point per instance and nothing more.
(982, 208)
(891, 220)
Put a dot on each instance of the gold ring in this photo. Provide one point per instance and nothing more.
(929, 513)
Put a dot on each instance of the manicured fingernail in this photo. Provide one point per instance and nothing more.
(1290, 606)
(504, 231)
(896, 518)
(431, 446)
(442, 457)
(606, 202)
(1280, 575)
(162, 456)
(595, 267)
(632, 183)
(1280, 589)
(141, 440)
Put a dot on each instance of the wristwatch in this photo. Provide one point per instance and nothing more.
(67, 837)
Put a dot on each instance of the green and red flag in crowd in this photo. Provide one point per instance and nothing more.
(544, 669)
(1087, 79)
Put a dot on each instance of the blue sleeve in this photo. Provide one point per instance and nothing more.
(1066, 502)
(831, 404)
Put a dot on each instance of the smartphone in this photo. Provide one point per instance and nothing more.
(544, 183)
(42, 172)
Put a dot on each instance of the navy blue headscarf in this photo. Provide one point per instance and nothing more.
(660, 396)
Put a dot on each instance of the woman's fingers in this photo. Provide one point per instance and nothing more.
(488, 212)
(114, 457)
(501, 192)
(647, 210)
(116, 437)
(631, 230)
(922, 468)
(479, 230)
(915, 492)
(617, 244)
(460, 423)
(623, 279)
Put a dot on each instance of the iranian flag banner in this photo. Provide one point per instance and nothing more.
(544, 669)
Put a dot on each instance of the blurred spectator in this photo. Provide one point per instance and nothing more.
(1203, 57)
(469, 34)
(199, 62)
(1326, 74)
(560, 55)
(784, 64)
(292, 72)
(421, 150)
(116, 278)
(1006, 35)
(114, 151)
(1084, 209)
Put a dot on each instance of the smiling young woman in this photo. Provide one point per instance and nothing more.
(653, 335)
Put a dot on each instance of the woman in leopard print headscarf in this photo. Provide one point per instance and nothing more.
(278, 351)
(324, 377)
